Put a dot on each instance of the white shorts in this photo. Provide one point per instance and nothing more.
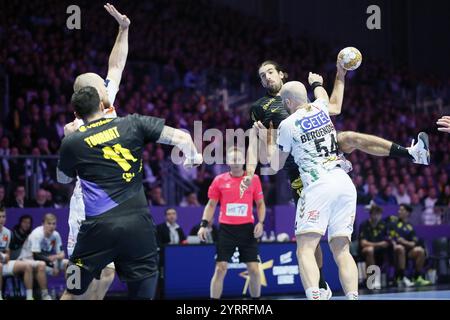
(8, 268)
(76, 217)
(330, 202)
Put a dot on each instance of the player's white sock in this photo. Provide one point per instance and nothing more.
(313, 293)
(1, 297)
(44, 292)
(29, 294)
(352, 295)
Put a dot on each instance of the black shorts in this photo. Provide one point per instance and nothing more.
(125, 237)
(240, 236)
(294, 178)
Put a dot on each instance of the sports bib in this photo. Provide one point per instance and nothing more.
(236, 209)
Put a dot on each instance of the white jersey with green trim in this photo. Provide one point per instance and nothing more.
(310, 136)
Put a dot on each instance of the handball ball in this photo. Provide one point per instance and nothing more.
(350, 58)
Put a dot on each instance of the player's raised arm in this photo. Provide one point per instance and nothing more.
(337, 96)
(119, 53)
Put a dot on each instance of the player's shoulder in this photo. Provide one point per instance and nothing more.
(6, 231)
(222, 177)
(56, 234)
(288, 122)
(256, 177)
(38, 231)
(260, 102)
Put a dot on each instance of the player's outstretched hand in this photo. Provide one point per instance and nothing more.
(245, 183)
(314, 77)
(123, 20)
(193, 162)
(259, 229)
(202, 232)
(444, 124)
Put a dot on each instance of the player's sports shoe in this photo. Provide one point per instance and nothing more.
(421, 150)
(47, 297)
(326, 294)
(421, 282)
(405, 282)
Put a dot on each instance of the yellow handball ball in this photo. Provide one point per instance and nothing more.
(350, 58)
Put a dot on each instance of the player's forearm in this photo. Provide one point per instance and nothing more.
(180, 139)
(252, 158)
(321, 93)
(119, 53)
(60, 255)
(337, 96)
(208, 212)
(261, 211)
(41, 257)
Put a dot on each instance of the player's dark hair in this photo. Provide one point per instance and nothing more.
(277, 66)
(86, 102)
(375, 209)
(24, 217)
(407, 207)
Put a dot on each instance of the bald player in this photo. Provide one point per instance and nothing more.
(107, 89)
(328, 199)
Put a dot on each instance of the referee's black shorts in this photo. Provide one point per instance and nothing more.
(240, 236)
(125, 237)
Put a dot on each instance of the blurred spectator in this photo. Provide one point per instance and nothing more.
(19, 200)
(19, 234)
(41, 200)
(148, 176)
(190, 200)
(44, 244)
(430, 216)
(401, 195)
(386, 197)
(373, 242)
(213, 232)
(406, 246)
(2, 197)
(169, 232)
(444, 199)
(156, 197)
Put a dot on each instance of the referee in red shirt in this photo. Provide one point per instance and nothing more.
(237, 224)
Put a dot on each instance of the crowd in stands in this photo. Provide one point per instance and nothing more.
(175, 59)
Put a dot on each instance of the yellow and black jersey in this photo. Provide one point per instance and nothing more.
(106, 154)
(373, 233)
(269, 109)
(397, 228)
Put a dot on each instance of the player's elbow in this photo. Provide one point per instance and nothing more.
(334, 110)
(62, 178)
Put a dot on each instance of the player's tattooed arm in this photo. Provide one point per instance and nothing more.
(119, 53)
(183, 141)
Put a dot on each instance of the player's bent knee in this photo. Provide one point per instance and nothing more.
(221, 268)
(368, 250)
